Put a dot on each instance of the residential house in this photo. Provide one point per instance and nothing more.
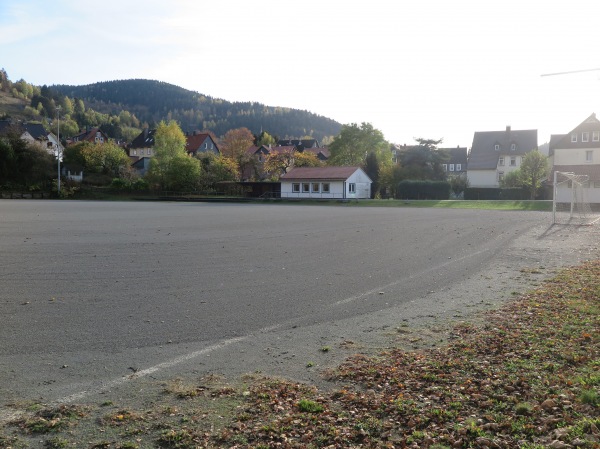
(34, 133)
(322, 153)
(457, 164)
(326, 182)
(259, 155)
(300, 144)
(142, 145)
(578, 152)
(496, 153)
(92, 135)
(141, 165)
(198, 142)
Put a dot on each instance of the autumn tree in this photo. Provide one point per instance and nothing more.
(534, 169)
(307, 159)
(235, 145)
(352, 145)
(217, 168)
(266, 139)
(278, 163)
(171, 168)
(106, 158)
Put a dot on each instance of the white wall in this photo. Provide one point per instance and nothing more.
(363, 185)
(590, 194)
(482, 178)
(336, 189)
(575, 156)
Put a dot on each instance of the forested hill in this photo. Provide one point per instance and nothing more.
(153, 101)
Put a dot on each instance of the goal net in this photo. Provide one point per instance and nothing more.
(570, 203)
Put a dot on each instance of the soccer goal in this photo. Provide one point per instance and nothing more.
(570, 204)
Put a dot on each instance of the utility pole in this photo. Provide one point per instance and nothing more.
(58, 149)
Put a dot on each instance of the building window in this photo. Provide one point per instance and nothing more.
(305, 187)
(458, 167)
(596, 184)
(134, 152)
(513, 161)
(316, 187)
(148, 151)
(206, 145)
(500, 176)
(296, 187)
(451, 167)
(445, 166)
(513, 146)
(596, 136)
(501, 161)
(573, 137)
(585, 137)
(496, 147)
(325, 187)
(589, 156)
(352, 187)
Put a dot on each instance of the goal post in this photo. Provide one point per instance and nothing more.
(570, 204)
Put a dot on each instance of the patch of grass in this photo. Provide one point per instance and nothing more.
(308, 406)
(589, 397)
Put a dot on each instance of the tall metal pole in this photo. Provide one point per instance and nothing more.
(554, 198)
(58, 149)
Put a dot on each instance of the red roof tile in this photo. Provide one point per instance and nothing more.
(331, 173)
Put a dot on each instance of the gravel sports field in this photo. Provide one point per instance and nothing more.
(100, 298)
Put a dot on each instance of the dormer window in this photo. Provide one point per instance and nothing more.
(513, 146)
(497, 147)
(573, 137)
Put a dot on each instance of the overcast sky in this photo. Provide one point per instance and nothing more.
(417, 68)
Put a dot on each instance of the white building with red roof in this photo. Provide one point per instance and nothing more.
(326, 183)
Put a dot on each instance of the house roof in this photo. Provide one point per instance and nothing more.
(88, 135)
(36, 130)
(484, 155)
(144, 140)
(564, 141)
(321, 153)
(321, 173)
(195, 141)
(301, 144)
(458, 155)
(591, 170)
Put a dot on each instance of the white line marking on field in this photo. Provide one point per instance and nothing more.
(145, 372)
(400, 281)
(222, 344)
(165, 365)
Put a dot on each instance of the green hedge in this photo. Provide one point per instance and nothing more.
(423, 190)
(494, 193)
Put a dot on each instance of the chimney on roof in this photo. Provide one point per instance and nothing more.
(508, 129)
